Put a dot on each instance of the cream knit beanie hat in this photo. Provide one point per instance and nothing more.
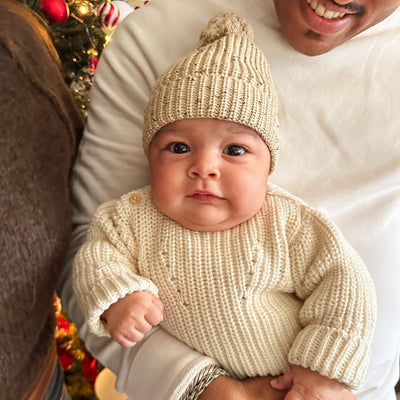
(226, 78)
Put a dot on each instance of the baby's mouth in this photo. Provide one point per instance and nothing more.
(205, 196)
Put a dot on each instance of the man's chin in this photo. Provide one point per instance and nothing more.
(313, 44)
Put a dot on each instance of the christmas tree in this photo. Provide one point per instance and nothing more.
(80, 30)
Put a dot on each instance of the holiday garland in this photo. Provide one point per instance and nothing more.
(80, 368)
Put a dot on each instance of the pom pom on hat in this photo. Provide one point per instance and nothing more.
(223, 24)
(226, 78)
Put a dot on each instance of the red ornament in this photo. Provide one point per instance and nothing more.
(66, 358)
(109, 15)
(56, 11)
(62, 323)
(94, 63)
(89, 367)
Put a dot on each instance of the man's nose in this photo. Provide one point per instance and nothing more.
(204, 165)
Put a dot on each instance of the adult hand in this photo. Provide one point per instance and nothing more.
(132, 316)
(258, 388)
(305, 384)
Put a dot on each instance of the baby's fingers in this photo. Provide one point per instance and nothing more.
(128, 338)
(126, 341)
(158, 303)
(155, 314)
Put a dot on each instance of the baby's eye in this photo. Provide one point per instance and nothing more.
(234, 150)
(179, 148)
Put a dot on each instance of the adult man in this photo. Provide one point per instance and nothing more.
(339, 108)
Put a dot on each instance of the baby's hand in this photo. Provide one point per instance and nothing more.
(305, 384)
(132, 316)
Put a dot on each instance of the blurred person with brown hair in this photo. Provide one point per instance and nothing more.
(40, 129)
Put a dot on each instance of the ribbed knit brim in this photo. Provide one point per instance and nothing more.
(227, 79)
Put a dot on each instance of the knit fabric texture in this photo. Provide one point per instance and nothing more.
(39, 133)
(226, 78)
(283, 287)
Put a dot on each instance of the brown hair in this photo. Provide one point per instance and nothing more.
(37, 23)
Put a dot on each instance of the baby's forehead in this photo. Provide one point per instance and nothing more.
(198, 126)
(236, 127)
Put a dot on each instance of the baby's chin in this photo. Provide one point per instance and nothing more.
(211, 225)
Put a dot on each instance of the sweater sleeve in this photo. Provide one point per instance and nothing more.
(339, 302)
(105, 268)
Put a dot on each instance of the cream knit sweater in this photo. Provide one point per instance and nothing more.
(283, 287)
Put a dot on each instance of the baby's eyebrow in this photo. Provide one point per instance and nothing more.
(241, 129)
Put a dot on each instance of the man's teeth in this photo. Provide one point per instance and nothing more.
(323, 12)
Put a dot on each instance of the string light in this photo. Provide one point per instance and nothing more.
(83, 10)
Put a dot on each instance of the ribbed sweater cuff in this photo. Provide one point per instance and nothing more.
(333, 353)
(108, 292)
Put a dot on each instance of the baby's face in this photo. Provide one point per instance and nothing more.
(208, 174)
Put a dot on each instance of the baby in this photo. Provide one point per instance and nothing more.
(248, 273)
